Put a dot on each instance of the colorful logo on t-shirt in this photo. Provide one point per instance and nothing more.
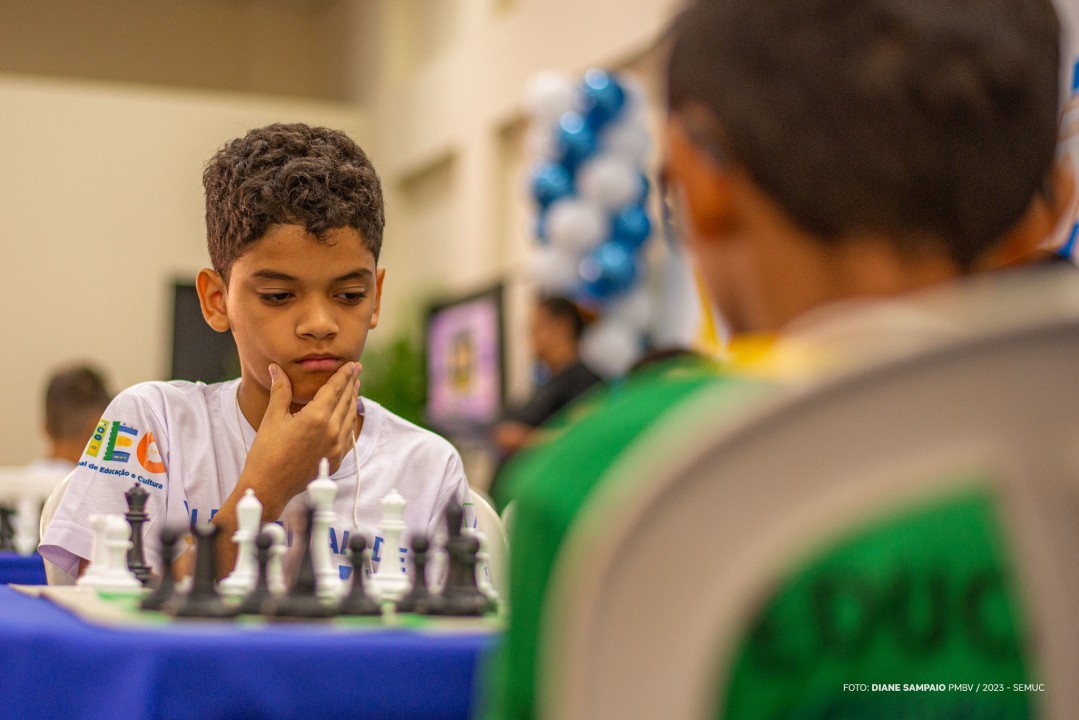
(148, 454)
(118, 436)
(94, 446)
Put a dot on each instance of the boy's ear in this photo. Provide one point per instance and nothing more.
(1041, 219)
(212, 295)
(702, 181)
(380, 275)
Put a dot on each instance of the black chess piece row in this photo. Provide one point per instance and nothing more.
(460, 595)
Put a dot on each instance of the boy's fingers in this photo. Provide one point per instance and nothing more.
(329, 395)
(280, 391)
(347, 399)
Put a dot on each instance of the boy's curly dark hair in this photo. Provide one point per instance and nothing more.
(289, 174)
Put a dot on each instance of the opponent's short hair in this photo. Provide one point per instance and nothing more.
(289, 174)
(75, 399)
(931, 122)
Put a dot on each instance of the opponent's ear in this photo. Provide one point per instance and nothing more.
(380, 275)
(700, 181)
(1041, 222)
(213, 293)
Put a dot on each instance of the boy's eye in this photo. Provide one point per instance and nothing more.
(352, 297)
(275, 298)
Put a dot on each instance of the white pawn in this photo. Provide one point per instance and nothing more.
(275, 571)
(109, 571)
(241, 580)
(390, 581)
(322, 491)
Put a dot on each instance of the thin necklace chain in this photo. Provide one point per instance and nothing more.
(355, 457)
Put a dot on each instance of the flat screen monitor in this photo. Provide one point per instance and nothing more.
(465, 362)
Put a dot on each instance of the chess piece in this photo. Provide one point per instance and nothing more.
(419, 599)
(276, 569)
(357, 601)
(7, 530)
(136, 515)
(390, 581)
(242, 579)
(257, 601)
(322, 491)
(203, 600)
(461, 595)
(27, 516)
(166, 589)
(108, 570)
(302, 600)
(483, 573)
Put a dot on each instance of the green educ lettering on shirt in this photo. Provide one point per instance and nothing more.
(897, 622)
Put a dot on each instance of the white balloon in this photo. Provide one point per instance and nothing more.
(609, 347)
(576, 225)
(610, 181)
(555, 270)
(549, 95)
(628, 139)
(633, 309)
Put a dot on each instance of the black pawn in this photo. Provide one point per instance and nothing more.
(7, 530)
(260, 596)
(136, 515)
(302, 600)
(419, 599)
(164, 592)
(358, 602)
(462, 596)
(203, 601)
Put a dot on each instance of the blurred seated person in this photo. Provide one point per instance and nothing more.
(557, 324)
(75, 399)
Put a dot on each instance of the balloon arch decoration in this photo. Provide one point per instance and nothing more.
(590, 190)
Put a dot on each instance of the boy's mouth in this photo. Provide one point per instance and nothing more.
(320, 363)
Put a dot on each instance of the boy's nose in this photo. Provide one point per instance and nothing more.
(317, 321)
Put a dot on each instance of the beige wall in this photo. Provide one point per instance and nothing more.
(101, 199)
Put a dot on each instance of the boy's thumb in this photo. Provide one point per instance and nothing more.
(280, 389)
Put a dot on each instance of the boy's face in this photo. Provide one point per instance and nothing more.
(302, 304)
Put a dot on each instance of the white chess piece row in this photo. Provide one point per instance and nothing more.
(389, 582)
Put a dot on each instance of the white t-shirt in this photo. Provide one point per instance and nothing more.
(182, 442)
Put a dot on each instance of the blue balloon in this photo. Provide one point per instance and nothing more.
(603, 97)
(575, 138)
(550, 181)
(631, 227)
(607, 270)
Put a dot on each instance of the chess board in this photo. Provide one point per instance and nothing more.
(121, 610)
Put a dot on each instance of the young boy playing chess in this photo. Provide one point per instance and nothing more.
(294, 219)
(822, 156)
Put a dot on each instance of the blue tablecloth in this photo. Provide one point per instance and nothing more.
(55, 665)
(21, 569)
